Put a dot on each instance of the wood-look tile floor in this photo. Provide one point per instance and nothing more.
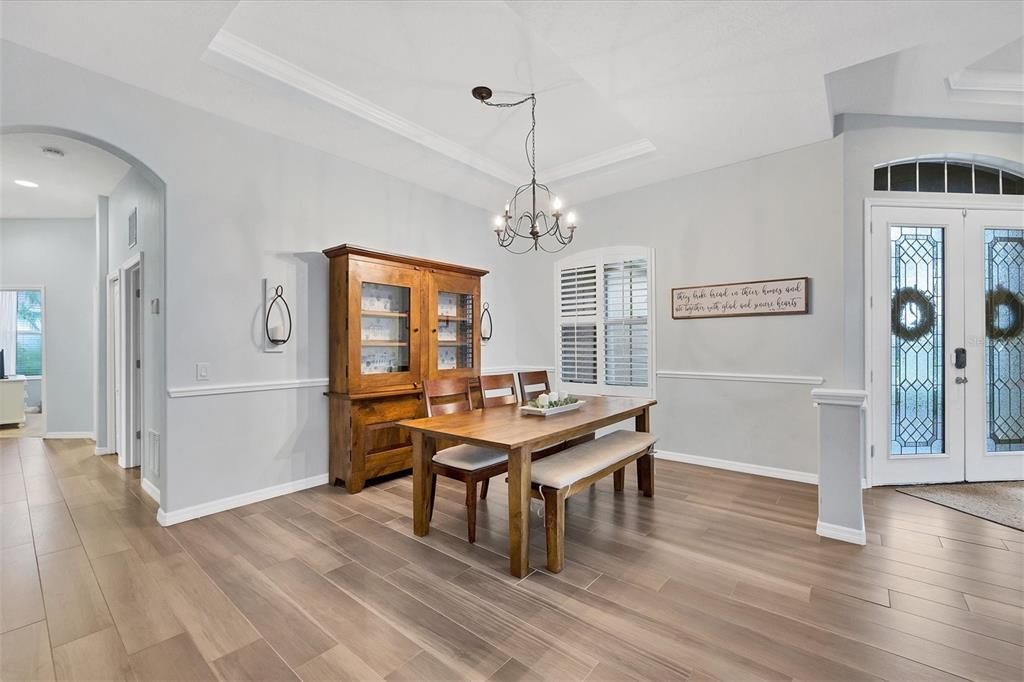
(719, 576)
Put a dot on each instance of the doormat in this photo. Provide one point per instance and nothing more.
(1001, 503)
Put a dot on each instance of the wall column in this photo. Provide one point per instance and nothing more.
(841, 446)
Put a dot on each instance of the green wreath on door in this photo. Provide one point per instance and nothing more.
(903, 299)
(1001, 297)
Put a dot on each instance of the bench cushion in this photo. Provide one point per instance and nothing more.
(469, 457)
(580, 461)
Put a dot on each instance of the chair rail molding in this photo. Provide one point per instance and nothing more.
(247, 387)
(739, 376)
(295, 384)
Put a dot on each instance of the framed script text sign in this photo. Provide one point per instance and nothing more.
(738, 299)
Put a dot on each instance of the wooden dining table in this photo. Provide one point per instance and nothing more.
(506, 428)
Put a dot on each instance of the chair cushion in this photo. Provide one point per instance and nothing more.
(580, 461)
(469, 457)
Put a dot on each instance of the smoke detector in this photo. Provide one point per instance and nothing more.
(53, 152)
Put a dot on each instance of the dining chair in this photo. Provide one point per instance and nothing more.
(499, 384)
(503, 386)
(467, 463)
(532, 384)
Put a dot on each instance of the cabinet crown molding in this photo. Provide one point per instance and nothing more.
(426, 264)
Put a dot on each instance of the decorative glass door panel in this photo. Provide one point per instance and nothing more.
(454, 307)
(917, 400)
(995, 345)
(384, 345)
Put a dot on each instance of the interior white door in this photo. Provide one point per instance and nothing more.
(994, 291)
(917, 322)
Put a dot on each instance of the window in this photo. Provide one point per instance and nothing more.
(29, 341)
(950, 174)
(605, 314)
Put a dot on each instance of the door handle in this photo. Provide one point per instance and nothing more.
(960, 358)
(961, 380)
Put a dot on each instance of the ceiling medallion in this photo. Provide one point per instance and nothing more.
(542, 230)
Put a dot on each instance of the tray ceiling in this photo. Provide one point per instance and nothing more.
(628, 93)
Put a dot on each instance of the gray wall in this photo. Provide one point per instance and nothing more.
(137, 192)
(242, 205)
(777, 216)
(60, 256)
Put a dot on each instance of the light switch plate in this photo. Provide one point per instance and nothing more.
(202, 371)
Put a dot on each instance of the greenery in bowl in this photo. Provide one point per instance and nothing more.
(569, 400)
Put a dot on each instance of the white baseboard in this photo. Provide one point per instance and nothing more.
(56, 435)
(103, 450)
(851, 535)
(151, 490)
(742, 467)
(165, 518)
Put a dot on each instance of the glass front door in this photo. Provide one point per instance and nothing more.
(945, 378)
(995, 345)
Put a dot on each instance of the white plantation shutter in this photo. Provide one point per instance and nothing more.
(604, 318)
(626, 328)
(578, 326)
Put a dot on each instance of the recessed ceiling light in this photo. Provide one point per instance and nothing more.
(26, 183)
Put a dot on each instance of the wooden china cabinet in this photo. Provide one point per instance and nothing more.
(394, 322)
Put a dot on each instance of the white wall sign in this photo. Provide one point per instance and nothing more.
(738, 299)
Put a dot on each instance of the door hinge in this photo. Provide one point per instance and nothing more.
(871, 302)
(138, 435)
(138, 364)
(964, 213)
(872, 452)
(138, 293)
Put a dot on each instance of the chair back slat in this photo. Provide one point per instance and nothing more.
(502, 388)
(532, 384)
(447, 396)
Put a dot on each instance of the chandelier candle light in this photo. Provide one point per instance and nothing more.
(532, 223)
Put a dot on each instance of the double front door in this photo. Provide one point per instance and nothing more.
(946, 344)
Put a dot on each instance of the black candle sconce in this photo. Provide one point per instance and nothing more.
(276, 336)
(486, 323)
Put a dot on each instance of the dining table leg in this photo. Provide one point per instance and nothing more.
(645, 464)
(423, 448)
(519, 511)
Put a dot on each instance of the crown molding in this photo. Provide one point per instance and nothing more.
(241, 51)
(623, 152)
(237, 50)
(986, 81)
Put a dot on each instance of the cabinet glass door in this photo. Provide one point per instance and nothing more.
(454, 330)
(384, 345)
(384, 329)
(454, 307)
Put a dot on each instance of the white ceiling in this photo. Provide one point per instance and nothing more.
(628, 93)
(68, 186)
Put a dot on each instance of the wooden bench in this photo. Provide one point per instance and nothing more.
(560, 476)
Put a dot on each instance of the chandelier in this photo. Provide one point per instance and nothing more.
(540, 229)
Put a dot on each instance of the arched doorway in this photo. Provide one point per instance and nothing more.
(127, 291)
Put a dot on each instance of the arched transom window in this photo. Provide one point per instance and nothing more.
(951, 174)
